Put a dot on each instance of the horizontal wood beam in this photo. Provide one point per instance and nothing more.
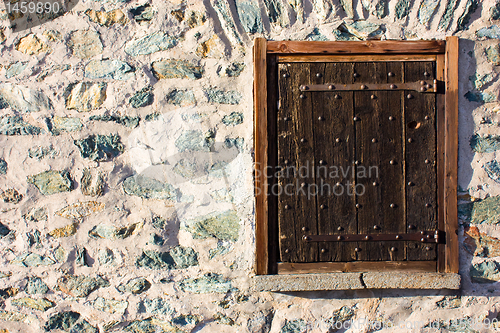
(357, 266)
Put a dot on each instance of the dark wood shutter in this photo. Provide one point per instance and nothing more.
(381, 141)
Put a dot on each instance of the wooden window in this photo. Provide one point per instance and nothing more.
(356, 156)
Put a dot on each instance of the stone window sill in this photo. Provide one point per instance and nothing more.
(355, 281)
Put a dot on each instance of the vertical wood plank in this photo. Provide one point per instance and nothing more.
(334, 146)
(440, 127)
(451, 155)
(260, 144)
(420, 159)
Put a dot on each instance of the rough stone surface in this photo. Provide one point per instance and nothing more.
(300, 282)
(159, 41)
(479, 81)
(15, 125)
(62, 320)
(80, 286)
(143, 14)
(36, 215)
(182, 97)
(32, 45)
(135, 286)
(58, 125)
(106, 257)
(24, 99)
(294, 326)
(131, 122)
(492, 168)
(15, 68)
(100, 147)
(481, 97)
(485, 144)
(249, 14)
(447, 17)
(51, 182)
(481, 211)
(142, 98)
(232, 97)
(40, 152)
(275, 10)
(41, 304)
(110, 305)
(149, 188)
(92, 183)
(427, 9)
(363, 30)
(489, 32)
(485, 272)
(107, 19)
(80, 210)
(493, 54)
(224, 226)
(208, 283)
(463, 20)
(11, 196)
(392, 280)
(85, 43)
(173, 68)
(233, 119)
(109, 69)
(35, 285)
(30, 259)
(109, 232)
(17, 316)
(376, 8)
(3, 167)
(156, 306)
(85, 96)
(66, 231)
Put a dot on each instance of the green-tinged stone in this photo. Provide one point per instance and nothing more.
(445, 21)
(60, 254)
(449, 302)
(23, 99)
(479, 81)
(341, 315)
(100, 147)
(495, 11)
(156, 239)
(231, 97)
(376, 8)
(485, 144)
(463, 20)
(239, 143)
(221, 249)
(316, 35)
(276, 12)
(493, 54)
(224, 226)
(8, 292)
(149, 188)
(47, 72)
(35, 285)
(111, 232)
(186, 169)
(83, 327)
(223, 319)
(152, 116)
(184, 256)
(3, 166)
(15, 125)
(155, 260)
(62, 321)
(485, 272)
(42, 304)
(174, 68)
(181, 97)
(4, 230)
(208, 283)
(194, 141)
(106, 257)
(347, 5)
(294, 326)
(79, 210)
(53, 181)
(11, 195)
(85, 43)
(17, 316)
(402, 9)
(184, 320)
(480, 97)
(36, 215)
(492, 32)
(58, 125)
(85, 96)
(481, 211)
(141, 326)
(92, 185)
(249, 15)
(40, 152)
(135, 286)
(159, 222)
(233, 70)
(107, 19)
(492, 168)
(235, 118)
(110, 325)
(15, 69)
(226, 19)
(131, 122)
(194, 19)
(143, 13)
(427, 9)
(156, 306)
(30, 259)
(109, 69)
(110, 305)
(363, 30)
(143, 97)
(81, 256)
(34, 238)
(80, 286)
(158, 41)
(261, 321)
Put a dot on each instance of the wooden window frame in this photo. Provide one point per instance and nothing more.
(445, 53)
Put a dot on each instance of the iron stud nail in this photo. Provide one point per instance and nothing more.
(323, 250)
(422, 240)
(287, 250)
(398, 237)
(287, 207)
(304, 87)
(428, 248)
(422, 82)
(303, 184)
(319, 75)
(321, 162)
(340, 228)
(367, 237)
(286, 162)
(285, 119)
(355, 118)
(423, 89)
(392, 86)
(411, 227)
(374, 183)
(304, 228)
(409, 96)
(392, 162)
(339, 237)
(373, 97)
(320, 118)
(427, 161)
(410, 140)
(363, 86)
(374, 140)
(427, 117)
(422, 232)
(358, 205)
(393, 249)
(338, 184)
(357, 249)
(337, 96)
(356, 75)
(286, 75)
(426, 74)
(322, 206)
(302, 96)
(391, 74)
(376, 227)
(356, 162)
(391, 118)
(428, 236)
(428, 205)
(392, 205)
(306, 238)
(337, 140)
(410, 184)
(330, 87)
(302, 140)
(428, 86)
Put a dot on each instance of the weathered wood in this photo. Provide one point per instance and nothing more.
(381, 208)
(333, 119)
(440, 117)
(362, 47)
(420, 146)
(354, 58)
(357, 266)
(451, 155)
(260, 144)
(296, 144)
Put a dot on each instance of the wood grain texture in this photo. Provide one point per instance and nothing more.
(261, 160)
(362, 47)
(440, 126)
(357, 266)
(354, 58)
(451, 155)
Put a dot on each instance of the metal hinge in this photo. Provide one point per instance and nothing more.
(437, 236)
(423, 86)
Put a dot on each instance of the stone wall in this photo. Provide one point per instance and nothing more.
(117, 215)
